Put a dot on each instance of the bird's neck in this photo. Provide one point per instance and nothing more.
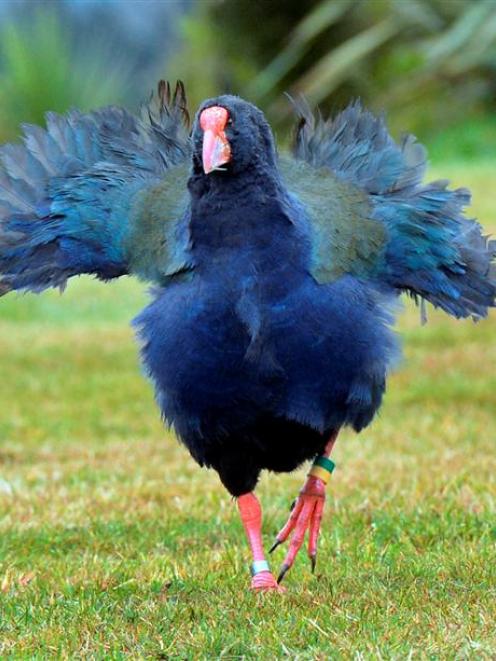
(221, 189)
(236, 214)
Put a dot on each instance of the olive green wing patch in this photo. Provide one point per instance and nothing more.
(344, 238)
(158, 242)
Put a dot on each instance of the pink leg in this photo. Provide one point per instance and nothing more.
(251, 515)
(306, 515)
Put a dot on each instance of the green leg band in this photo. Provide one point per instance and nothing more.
(325, 463)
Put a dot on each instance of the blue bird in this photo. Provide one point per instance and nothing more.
(276, 275)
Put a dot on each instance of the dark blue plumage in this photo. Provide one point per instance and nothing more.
(276, 277)
(249, 341)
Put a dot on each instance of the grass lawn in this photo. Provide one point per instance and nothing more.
(113, 543)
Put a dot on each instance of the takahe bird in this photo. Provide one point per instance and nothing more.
(276, 276)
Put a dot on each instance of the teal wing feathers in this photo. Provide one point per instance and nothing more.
(100, 193)
(372, 215)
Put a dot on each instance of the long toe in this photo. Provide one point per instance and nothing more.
(289, 526)
(313, 534)
(302, 524)
(305, 515)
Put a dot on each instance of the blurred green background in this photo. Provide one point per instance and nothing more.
(429, 64)
(113, 543)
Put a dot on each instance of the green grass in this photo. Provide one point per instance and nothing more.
(114, 544)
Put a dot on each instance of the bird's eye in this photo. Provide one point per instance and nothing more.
(229, 121)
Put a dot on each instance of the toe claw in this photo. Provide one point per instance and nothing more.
(275, 545)
(313, 561)
(282, 573)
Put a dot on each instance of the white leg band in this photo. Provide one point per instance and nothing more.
(259, 566)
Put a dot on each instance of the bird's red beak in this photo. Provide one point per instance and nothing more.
(216, 147)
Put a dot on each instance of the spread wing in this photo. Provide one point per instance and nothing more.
(100, 193)
(372, 216)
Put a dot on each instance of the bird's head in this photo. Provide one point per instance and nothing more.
(230, 135)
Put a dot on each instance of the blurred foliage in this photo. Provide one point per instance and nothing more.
(429, 63)
(40, 69)
(473, 139)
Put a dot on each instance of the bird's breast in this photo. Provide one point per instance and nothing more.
(221, 351)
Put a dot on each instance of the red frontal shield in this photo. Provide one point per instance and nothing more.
(216, 148)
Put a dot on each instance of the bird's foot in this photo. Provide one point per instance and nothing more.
(264, 581)
(306, 514)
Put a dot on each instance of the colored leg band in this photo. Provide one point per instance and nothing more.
(259, 566)
(322, 468)
(325, 462)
